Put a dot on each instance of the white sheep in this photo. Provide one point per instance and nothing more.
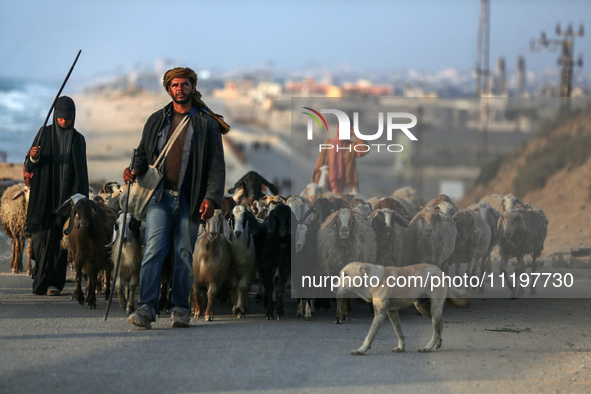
(343, 238)
(13, 215)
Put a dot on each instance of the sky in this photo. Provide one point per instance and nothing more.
(41, 38)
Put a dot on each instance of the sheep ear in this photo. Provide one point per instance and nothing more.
(334, 222)
(71, 224)
(114, 237)
(372, 216)
(500, 222)
(230, 235)
(18, 194)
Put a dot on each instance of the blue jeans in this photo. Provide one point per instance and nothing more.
(168, 219)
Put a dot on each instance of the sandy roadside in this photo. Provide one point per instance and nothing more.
(112, 126)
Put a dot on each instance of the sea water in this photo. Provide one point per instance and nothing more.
(24, 106)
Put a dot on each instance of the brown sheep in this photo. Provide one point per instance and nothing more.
(522, 231)
(472, 240)
(444, 203)
(395, 205)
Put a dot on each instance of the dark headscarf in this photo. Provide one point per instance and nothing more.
(65, 108)
(62, 144)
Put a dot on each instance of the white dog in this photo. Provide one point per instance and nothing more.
(416, 287)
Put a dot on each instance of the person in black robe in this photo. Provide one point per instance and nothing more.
(58, 165)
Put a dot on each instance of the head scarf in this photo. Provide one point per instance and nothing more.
(65, 108)
(178, 72)
(186, 72)
(61, 148)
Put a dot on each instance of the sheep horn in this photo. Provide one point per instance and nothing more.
(70, 201)
(308, 213)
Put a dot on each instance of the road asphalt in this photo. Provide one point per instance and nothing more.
(52, 344)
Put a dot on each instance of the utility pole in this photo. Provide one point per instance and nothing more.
(566, 43)
(482, 62)
(482, 79)
(417, 153)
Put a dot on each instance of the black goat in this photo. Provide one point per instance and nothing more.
(252, 184)
(273, 251)
(320, 210)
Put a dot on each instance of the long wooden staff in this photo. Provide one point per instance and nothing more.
(38, 137)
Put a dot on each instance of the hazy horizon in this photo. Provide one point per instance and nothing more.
(118, 37)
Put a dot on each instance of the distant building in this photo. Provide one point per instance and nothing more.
(309, 87)
(365, 88)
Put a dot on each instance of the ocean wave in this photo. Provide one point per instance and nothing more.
(23, 108)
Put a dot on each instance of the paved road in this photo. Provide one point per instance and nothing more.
(51, 344)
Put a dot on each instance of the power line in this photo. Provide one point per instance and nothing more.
(566, 44)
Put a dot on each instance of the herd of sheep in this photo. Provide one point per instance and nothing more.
(258, 238)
